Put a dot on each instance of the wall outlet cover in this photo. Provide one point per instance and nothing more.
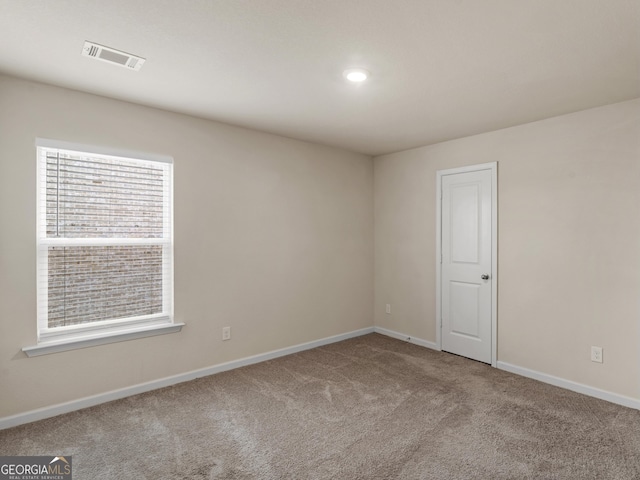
(596, 354)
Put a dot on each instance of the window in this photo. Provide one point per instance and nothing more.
(105, 246)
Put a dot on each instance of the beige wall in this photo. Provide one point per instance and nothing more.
(569, 242)
(274, 237)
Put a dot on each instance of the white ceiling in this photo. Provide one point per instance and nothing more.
(441, 69)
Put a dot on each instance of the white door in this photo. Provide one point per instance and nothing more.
(466, 269)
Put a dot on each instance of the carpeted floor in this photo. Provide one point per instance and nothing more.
(367, 408)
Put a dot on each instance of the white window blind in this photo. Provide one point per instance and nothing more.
(105, 241)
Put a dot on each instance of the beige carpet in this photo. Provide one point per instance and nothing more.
(367, 408)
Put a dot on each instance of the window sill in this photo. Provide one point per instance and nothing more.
(94, 339)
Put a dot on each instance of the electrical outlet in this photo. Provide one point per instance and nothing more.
(388, 308)
(596, 354)
(226, 333)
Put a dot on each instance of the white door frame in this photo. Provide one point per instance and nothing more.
(493, 167)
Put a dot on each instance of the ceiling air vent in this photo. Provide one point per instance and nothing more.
(111, 55)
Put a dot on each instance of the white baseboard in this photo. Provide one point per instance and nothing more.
(525, 372)
(405, 338)
(47, 412)
(570, 385)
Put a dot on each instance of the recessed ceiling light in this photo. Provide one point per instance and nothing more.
(356, 75)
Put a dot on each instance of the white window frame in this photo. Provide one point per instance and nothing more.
(51, 340)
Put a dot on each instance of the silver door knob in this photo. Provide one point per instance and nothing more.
(485, 276)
